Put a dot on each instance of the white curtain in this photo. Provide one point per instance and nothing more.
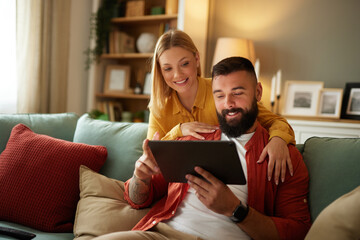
(8, 80)
(42, 55)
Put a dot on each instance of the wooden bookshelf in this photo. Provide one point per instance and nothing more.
(123, 95)
(126, 55)
(140, 63)
(145, 19)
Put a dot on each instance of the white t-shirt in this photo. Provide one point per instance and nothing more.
(193, 217)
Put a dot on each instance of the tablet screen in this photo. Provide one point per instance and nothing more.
(178, 158)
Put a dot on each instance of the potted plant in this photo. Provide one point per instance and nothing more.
(100, 26)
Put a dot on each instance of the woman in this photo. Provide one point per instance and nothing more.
(182, 104)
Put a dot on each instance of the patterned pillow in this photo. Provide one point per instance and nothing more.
(39, 179)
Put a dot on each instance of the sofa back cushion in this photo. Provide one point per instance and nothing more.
(300, 147)
(334, 169)
(122, 140)
(61, 125)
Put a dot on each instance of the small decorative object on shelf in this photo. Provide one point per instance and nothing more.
(157, 10)
(275, 90)
(330, 102)
(257, 68)
(272, 93)
(146, 42)
(135, 8)
(147, 84)
(278, 90)
(351, 101)
(137, 89)
(117, 79)
(301, 98)
(126, 116)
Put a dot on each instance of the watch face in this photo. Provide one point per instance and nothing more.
(240, 213)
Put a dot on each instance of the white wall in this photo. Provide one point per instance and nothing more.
(316, 40)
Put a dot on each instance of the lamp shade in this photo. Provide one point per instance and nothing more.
(229, 47)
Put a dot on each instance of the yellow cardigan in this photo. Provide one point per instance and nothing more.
(174, 113)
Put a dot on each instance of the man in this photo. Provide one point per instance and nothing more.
(209, 209)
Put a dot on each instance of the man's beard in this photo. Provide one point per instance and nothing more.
(237, 127)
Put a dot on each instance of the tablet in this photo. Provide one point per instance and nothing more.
(178, 158)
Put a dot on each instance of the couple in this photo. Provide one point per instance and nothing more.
(210, 209)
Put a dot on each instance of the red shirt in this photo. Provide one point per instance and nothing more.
(285, 203)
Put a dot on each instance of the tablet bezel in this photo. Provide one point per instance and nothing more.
(178, 158)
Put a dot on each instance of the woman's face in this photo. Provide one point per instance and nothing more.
(179, 68)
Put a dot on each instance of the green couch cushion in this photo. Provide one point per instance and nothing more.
(61, 125)
(334, 169)
(122, 140)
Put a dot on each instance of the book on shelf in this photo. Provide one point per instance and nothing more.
(121, 42)
(164, 27)
(113, 109)
(161, 28)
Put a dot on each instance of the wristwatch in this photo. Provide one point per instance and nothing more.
(240, 213)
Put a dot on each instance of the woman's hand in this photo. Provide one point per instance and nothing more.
(279, 157)
(194, 128)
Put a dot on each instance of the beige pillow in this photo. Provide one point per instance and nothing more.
(102, 208)
(339, 220)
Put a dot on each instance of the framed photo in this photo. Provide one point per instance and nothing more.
(147, 84)
(351, 102)
(301, 98)
(330, 102)
(117, 79)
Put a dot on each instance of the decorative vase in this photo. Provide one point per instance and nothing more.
(146, 42)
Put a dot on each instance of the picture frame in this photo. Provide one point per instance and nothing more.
(330, 102)
(301, 98)
(117, 79)
(351, 101)
(147, 84)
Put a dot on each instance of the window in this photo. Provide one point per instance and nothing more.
(8, 80)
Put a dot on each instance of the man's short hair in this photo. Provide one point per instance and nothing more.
(233, 64)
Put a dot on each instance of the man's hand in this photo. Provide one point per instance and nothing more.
(278, 158)
(145, 167)
(213, 193)
(194, 128)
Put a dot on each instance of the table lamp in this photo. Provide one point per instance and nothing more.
(229, 47)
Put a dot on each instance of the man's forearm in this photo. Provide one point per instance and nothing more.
(139, 190)
(259, 226)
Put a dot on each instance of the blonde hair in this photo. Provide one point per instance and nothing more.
(160, 91)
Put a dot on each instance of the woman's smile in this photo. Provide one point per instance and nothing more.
(182, 82)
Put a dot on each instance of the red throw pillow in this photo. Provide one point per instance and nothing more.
(39, 179)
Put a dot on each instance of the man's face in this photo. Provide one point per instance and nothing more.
(236, 96)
